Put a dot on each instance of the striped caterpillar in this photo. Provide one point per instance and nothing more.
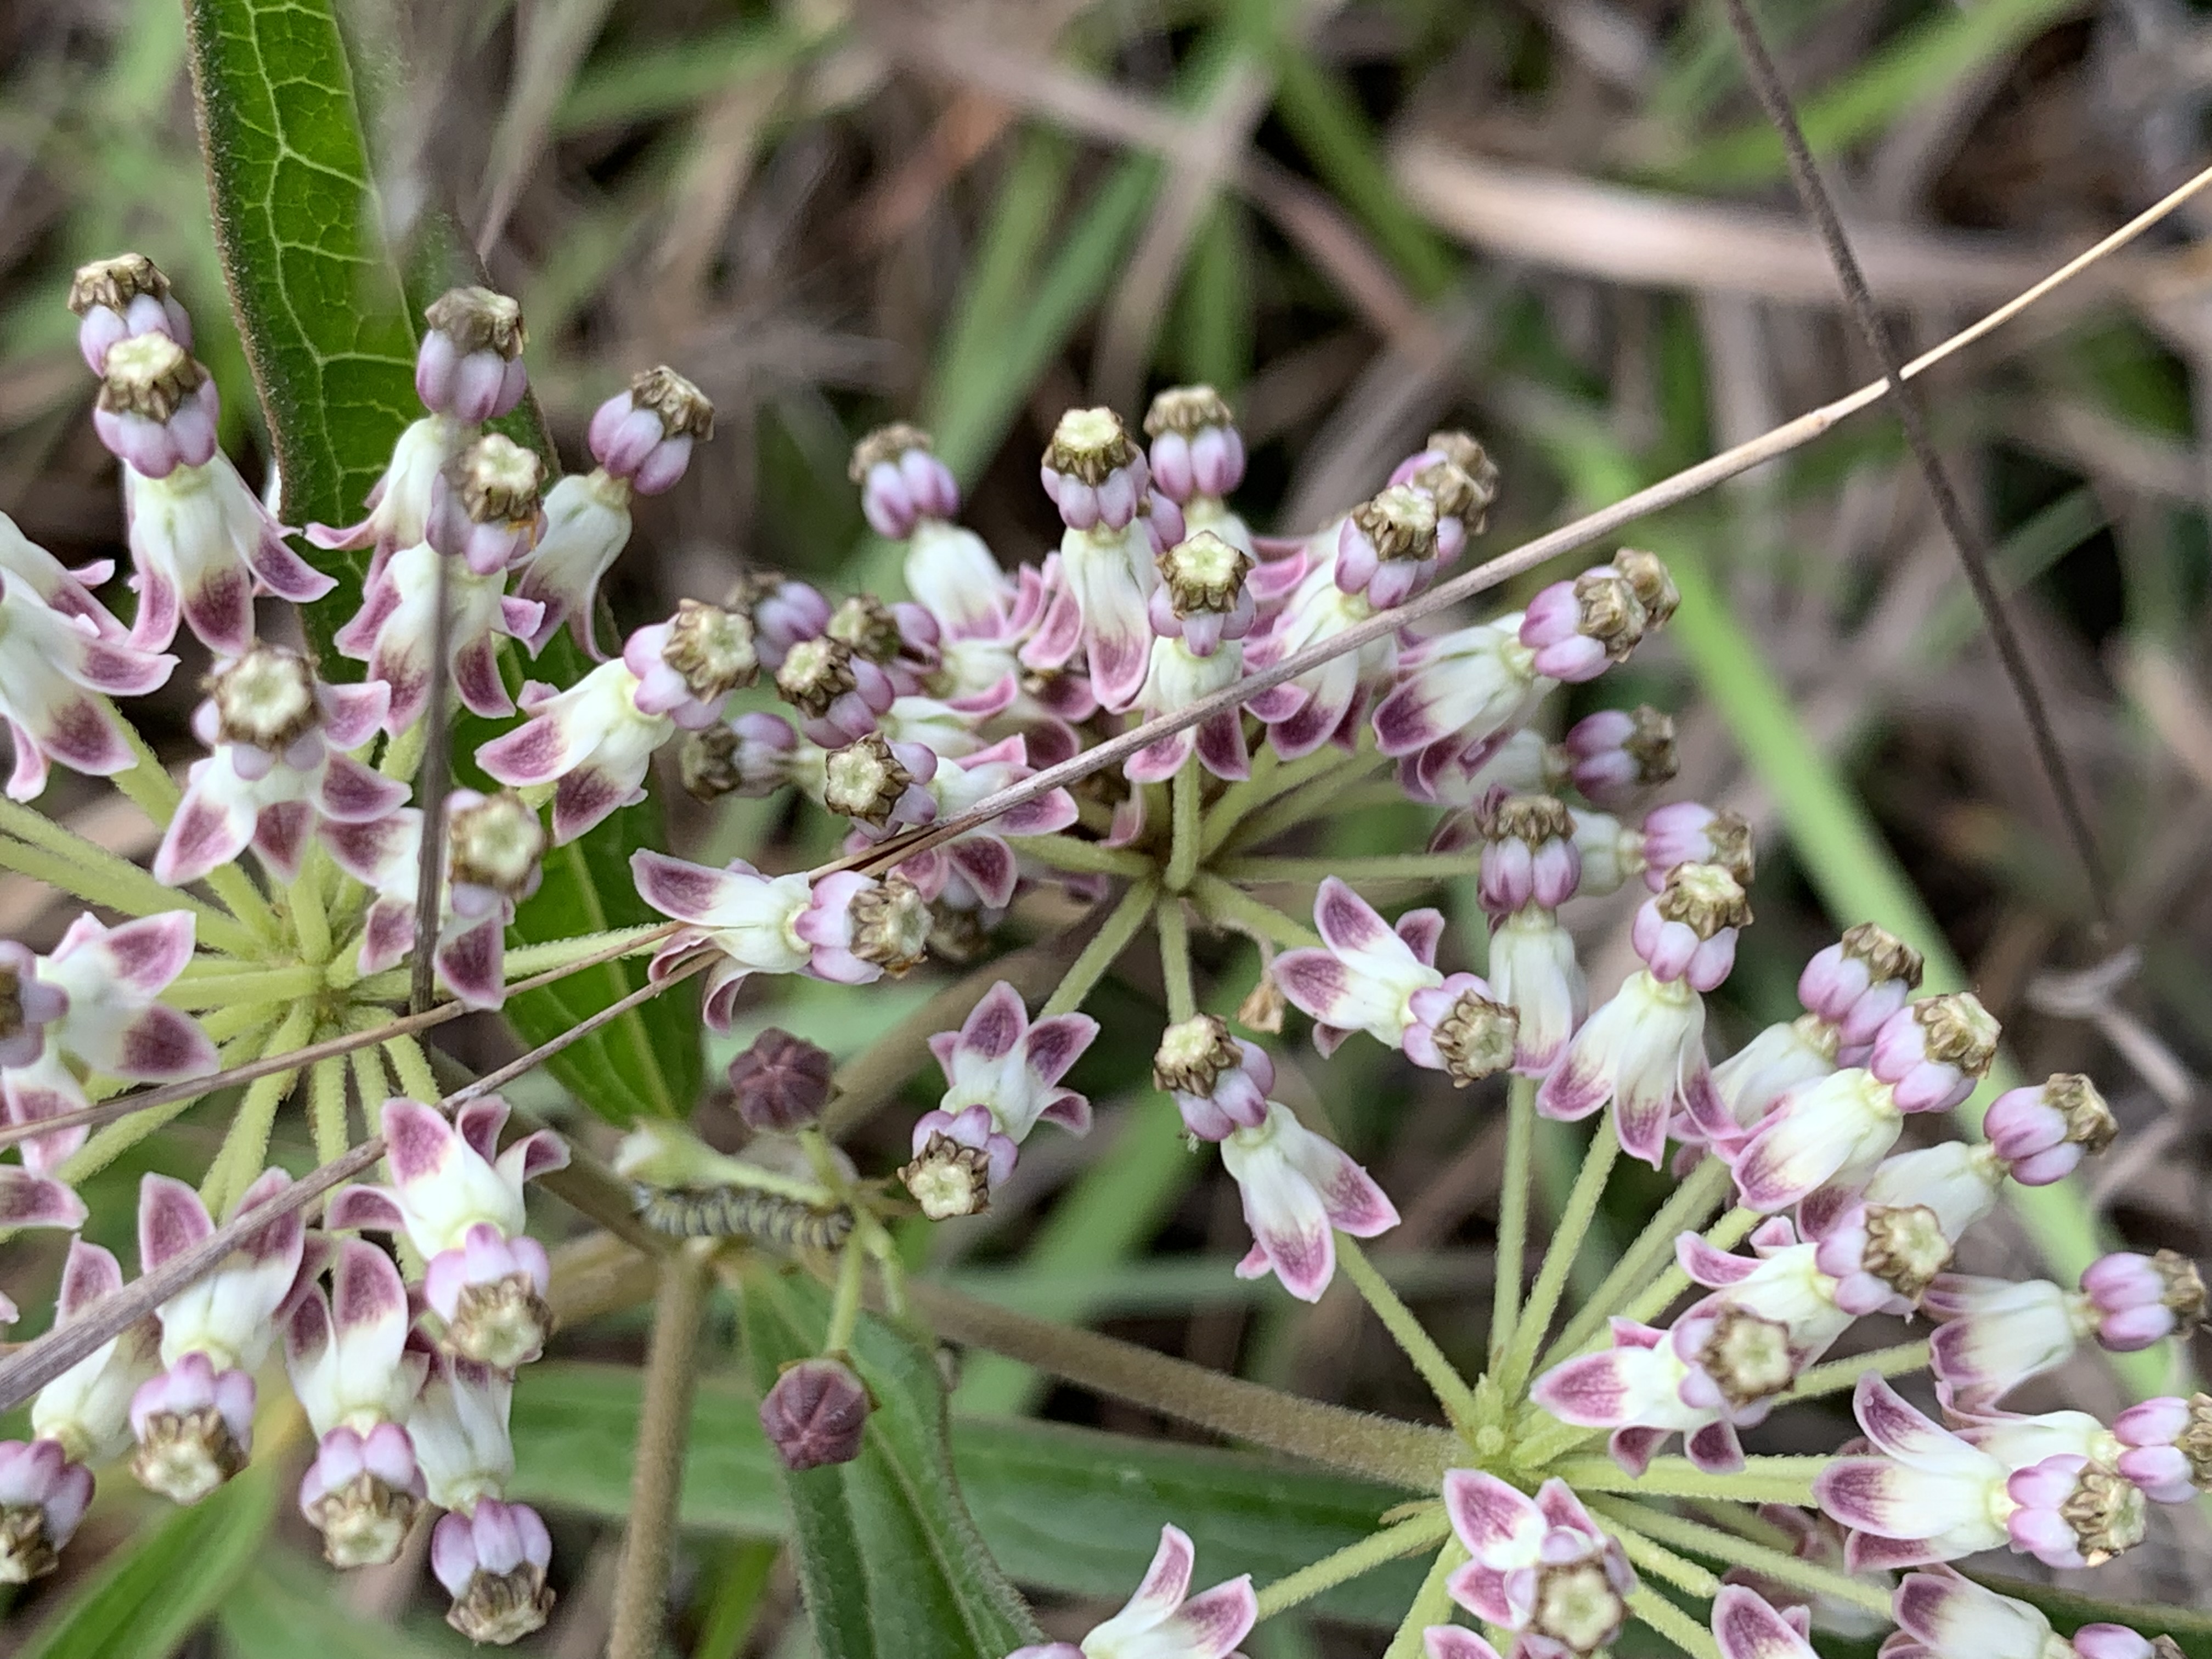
(741, 1212)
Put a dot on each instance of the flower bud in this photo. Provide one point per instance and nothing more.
(900, 481)
(2043, 1133)
(644, 435)
(1613, 754)
(1655, 589)
(959, 1158)
(783, 611)
(2140, 1299)
(1386, 547)
(1530, 855)
(1219, 1082)
(1580, 628)
(1859, 982)
(1197, 448)
(43, 1495)
(2073, 1513)
(1688, 932)
(157, 406)
(750, 755)
(117, 298)
(361, 1493)
(816, 1414)
(2169, 1446)
(492, 1562)
(1455, 469)
(1933, 1051)
(484, 507)
(470, 364)
(1689, 832)
(782, 1082)
(1093, 470)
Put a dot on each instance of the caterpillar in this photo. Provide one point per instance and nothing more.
(741, 1212)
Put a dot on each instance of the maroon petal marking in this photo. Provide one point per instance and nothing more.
(148, 953)
(988, 866)
(161, 1043)
(1055, 1043)
(171, 1220)
(32, 1200)
(280, 834)
(354, 794)
(364, 1208)
(89, 1273)
(219, 611)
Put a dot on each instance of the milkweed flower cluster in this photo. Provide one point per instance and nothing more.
(924, 728)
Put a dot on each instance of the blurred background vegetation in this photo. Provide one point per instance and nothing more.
(1559, 223)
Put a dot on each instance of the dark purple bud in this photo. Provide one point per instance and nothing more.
(782, 1082)
(816, 1414)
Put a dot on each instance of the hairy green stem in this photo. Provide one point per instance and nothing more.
(845, 1304)
(131, 891)
(1444, 1381)
(1760, 1480)
(1175, 957)
(1671, 1622)
(303, 900)
(1512, 1215)
(1685, 1207)
(1684, 1533)
(657, 1476)
(1416, 1533)
(1662, 1562)
(247, 1142)
(1730, 1230)
(1234, 907)
(1390, 866)
(326, 1107)
(253, 985)
(1432, 1605)
(1088, 858)
(1314, 800)
(1404, 1455)
(1183, 841)
(1840, 1374)
(1108, 943)
(1560, 1257)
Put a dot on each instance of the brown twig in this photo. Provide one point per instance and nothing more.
(1813, 195)
(664, 1425)
(24, 1372)
(404, 1025)
(433, 780)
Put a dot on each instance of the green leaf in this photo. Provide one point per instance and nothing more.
(173, 1574)
(325, 318)
(891, 1564)
(288, 1605)
(1064, 1509)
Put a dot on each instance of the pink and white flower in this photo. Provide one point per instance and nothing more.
(1457, 696)
(1921, 1494)
(493, 844)
(2167, 1447)
(2138, 1300)
(68, 592)
(354, 1374)
(1368, 976)
(1746, 1626)
(492, 1560)
(457, 1199)
(644, 436)
(469, 364)
(960, 1158)
(847, 928)
(1164, 1619)
(118, 298)
(1614, 756)
(1942, 1614)
(1197, 459)
(2045, 1131)
(107, 981)
(1886, 1247)
(395, 633)
(1644, 1050)
(1540, 1567)
(57, 673)
(1219, 1082)
(1328, 702)
(86, 1409)
(1299, 1189)
(194, 1421)
(275, 772)
(399, 508)
(1002, 1061)
(978, 869)
(1996, 1334)
(43, 1495)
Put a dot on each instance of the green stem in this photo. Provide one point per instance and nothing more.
(1088, 858)
(1444, 1381)
(1175, 958)
(310, 923)
(1730, 1230)
(230, 884)
(1112, 938)
(1432, 1605)
(245, 1145)
(1270, 778)
(1699, 1539)
(413, 1067)
(149, 782)
(845, 1305)
(1390, 866)
(326, 1109)
(1512, 1215)
(127, 888)
(1183, 843)
(1684, 1208)
(252, 986)
(1406, 1454)
(1317, 800)
(1240, 910)
(1672, 1623)
(1560, 1257)
(1419, 1532)
(1657, 1559)
(1840, 1374)
(111, 1141)
(1760, 1480)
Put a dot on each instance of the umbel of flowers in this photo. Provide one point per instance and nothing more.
(921, 725)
